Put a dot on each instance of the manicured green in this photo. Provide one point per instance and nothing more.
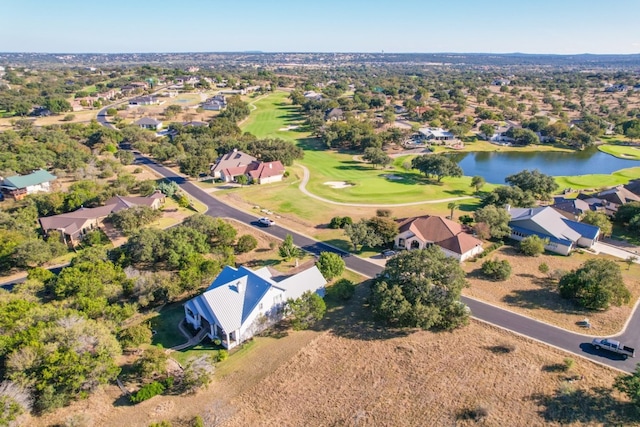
(621, 151)
(272, 113)
(598, 180)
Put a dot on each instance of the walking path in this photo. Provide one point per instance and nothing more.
(305, 179)
(191, 340)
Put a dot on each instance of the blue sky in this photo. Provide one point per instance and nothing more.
(492, 26)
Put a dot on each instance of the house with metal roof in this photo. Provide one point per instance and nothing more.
(422, 231)
(149, 123)
(242, 302)
(18, 186)
(437, 134)
(563, 234)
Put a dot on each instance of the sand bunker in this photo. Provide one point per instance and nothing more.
(338, 184)
(292, 127)
(393, 177)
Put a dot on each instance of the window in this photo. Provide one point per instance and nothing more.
(401, 242)
(260, 306)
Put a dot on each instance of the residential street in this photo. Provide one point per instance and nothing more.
(563, 339)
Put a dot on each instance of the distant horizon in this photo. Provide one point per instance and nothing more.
(322, 26)
(319, 52)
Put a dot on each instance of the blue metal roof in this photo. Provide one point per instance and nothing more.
(586, 230)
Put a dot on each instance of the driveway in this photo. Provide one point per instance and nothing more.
(618, 252)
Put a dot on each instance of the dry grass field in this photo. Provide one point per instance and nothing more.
(532, 293)
(351, 371)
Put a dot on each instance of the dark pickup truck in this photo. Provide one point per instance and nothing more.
(613, 346)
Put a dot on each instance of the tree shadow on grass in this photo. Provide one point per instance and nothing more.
(543, 297)
(353, 319)
(596, 406)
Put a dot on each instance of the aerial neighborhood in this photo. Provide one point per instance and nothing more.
(249, 226)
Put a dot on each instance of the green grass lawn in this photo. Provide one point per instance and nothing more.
(165, 323)
(580, 182)
(621, 151)
(273, 113)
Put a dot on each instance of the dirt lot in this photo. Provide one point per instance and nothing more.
(532, 293)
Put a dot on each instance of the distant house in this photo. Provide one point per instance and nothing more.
(233, 92)
(256, 172)
(133, 87)
(422, 231)
(216, 103)
(154, 201)
(616, 88)
(571, 208)
(437, 134)
(241, 302)
(73, 226)
(334, 114)
(149, 123)
(143, 100)
(267, 172)
(547, 223)
(18, 186)
(501, 82)
(399, 109)
(230, 160)
(107, 94)
(608, 201)
(195, 124)
(312, 95)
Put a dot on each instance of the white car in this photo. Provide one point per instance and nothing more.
(266, 222)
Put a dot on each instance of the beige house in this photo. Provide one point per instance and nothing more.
(423, 231)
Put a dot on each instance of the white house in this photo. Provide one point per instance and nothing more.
(422, 231)
(437, 134)
(546, 222)
(241, 302)
(149, 123)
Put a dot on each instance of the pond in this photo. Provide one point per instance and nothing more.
(494, 167)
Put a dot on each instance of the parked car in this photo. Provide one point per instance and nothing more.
(388, 253)
(613, 346)
(266, 222)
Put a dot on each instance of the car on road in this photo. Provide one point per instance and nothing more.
(266, 222)
(388, 253)
(614, 347)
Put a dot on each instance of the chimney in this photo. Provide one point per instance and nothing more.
(270, 165)
(240, 286)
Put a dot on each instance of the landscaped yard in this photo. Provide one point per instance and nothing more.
(165, 324)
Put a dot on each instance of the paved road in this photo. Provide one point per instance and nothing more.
(568, 341)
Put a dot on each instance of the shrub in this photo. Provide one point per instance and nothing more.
(197, 421)
(343, 289)
(385, 213)
(476, 414)
(466, 219)
(543, 268)
(496, 269)
(330, 265)
(246, 243)
(533, 245)
(596, 285)
(217, 341)
(340, 222)
(223, 355)
(306, 310)
(183, 201)
(147, 392)
(492, 247)
(569, 363)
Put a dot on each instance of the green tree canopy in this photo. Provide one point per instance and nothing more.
(437, 165)
(535, 182)
(533, 245)
(599, 219)
(330, 264)
(421, 288)
(497, 219)
(596, 285)
(306, 310)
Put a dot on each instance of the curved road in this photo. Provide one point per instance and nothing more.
(545, 333)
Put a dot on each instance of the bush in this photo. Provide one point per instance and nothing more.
(477, 414)
(543, 268)
(183, 201)
(246, 243)
(533, 245)
(330, 265)
(217, 341)
(222, 355)
(147, 392)
(343, 289)
(569, 363)
(492, 247)
(466, 219)
(596, 285)
(496, 269)
(306, 310)
(340, 222)
(197, 421)
(385, 213)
